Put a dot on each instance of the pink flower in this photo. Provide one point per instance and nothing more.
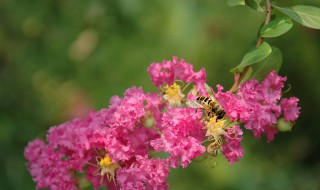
(153, 107)
(128, 110)
(124, 146)
(270, 88)
(290, 108)
(232, 149)
(236, 107)
(144, 174)
(112, 146)
(169, 71)
(70, 135)
(48, 167)
(257, 104)
(182, 136)
(34, 150)
(120, 131)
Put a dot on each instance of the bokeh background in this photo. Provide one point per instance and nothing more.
(59, 59)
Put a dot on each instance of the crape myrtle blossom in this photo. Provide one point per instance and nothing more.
(145, 173)
(259, 105)
(99, 145)
(182, 136)
(48, 168)
(118, 146)
(168, 72)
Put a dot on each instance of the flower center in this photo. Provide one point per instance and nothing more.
(215, 128)
(104, 162)
(173, 94)
(107, 168)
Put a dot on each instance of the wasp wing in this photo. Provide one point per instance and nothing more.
(209, 91)
(194, 104)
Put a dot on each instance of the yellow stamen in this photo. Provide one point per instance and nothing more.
(173, 94)
(107, 168)
(215, 128)
(106, 161)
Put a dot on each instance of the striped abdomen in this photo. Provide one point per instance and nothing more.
(211, 106)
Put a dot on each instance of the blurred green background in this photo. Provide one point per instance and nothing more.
(59, 59)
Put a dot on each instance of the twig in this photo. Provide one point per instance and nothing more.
(259, 42)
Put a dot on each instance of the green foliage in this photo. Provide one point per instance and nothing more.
(272, 62)
(235, 2)
(253, 56)
(277, 27)
(254, 4)
(208, 89)
(308, 16)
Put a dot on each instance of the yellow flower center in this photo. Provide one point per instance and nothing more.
(106, 161)
(173, 94)
(215, 128)
(107, 168)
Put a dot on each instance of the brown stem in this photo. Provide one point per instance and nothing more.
(266, 20)
(259, 42)
(237, 82)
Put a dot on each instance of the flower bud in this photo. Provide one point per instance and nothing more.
(283, 125)
(149, 122)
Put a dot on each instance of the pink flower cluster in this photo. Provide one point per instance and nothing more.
(122, 136)
(116, 146)
(78, 145)
(259, 105)
(168, 72)
(181, 131)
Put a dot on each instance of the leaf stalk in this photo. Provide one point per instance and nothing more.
(259, 42)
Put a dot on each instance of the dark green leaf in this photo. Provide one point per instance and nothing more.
(254, 4)
(235, 2)
(277, 27)
(272, 62)
(308, 16)
(253, 56)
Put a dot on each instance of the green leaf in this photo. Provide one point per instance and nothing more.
(308, 16)
(253, 56)
(254, 4)
(235, 2)
(272, 62)
(208, 89)
(232, 124)
(248, 75)
(277, 27)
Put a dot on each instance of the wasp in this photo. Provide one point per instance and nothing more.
(214, 148)
(209, 104)
(211, 107)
